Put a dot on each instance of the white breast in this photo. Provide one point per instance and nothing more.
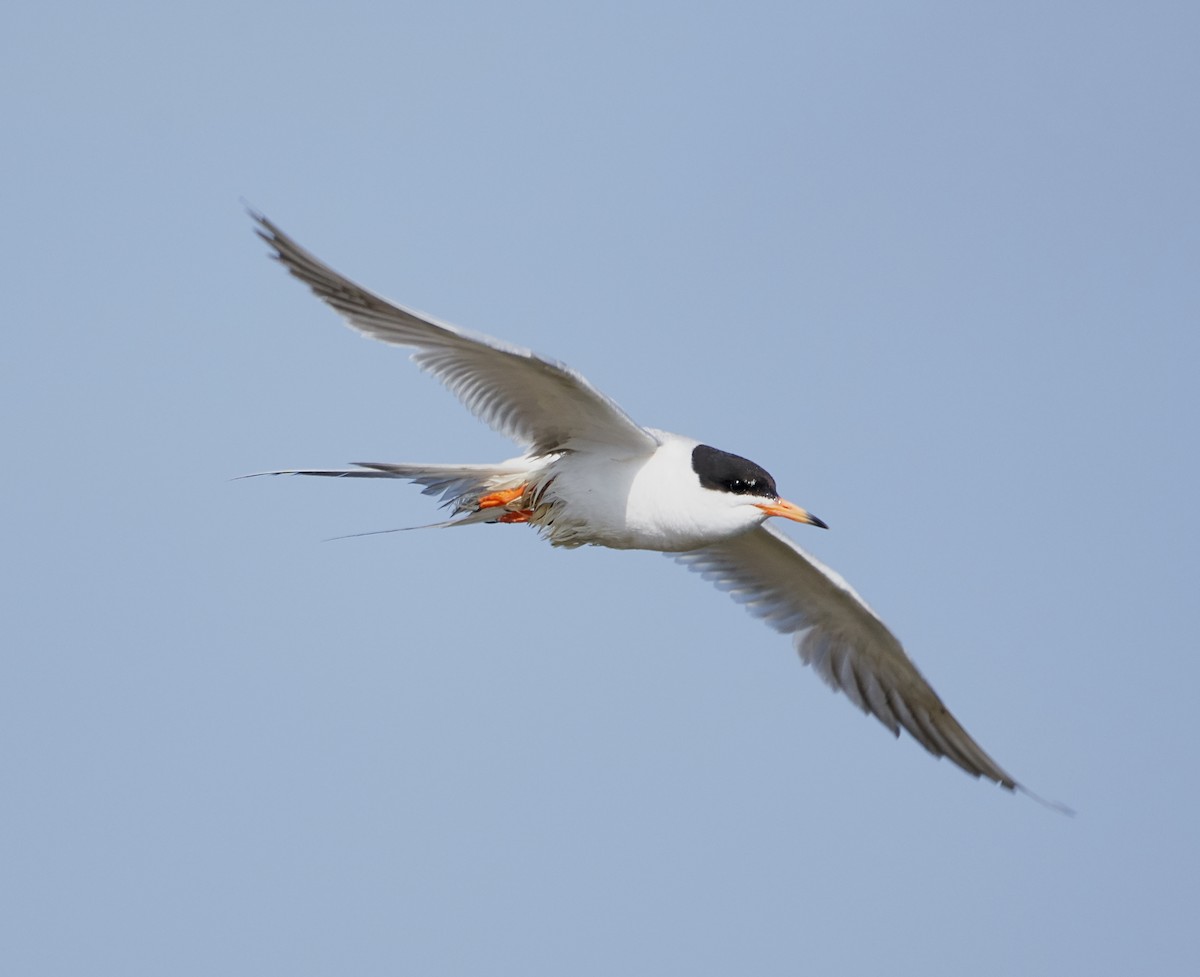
(648, 503)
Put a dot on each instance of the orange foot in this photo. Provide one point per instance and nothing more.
(503, 497)
(521, 515)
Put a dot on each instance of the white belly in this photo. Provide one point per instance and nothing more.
(647, 503)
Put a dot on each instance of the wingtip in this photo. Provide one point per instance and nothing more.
(1058, 806)
(264, 229)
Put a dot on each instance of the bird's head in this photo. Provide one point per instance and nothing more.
(745, 485)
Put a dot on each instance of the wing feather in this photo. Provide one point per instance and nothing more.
(841, 638)
(541, 404)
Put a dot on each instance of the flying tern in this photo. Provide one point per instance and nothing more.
(590, 475)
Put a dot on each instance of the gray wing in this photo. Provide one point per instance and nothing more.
(841, 638)
(542, 405)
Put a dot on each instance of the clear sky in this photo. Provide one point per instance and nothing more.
(934, 265)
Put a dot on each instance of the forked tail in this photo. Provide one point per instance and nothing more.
(473, 489)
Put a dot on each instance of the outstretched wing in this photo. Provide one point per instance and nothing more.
(542, 405)
(841, 638)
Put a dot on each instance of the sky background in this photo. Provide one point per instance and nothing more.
(934, 265)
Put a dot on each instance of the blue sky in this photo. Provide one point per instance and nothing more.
(933, 265)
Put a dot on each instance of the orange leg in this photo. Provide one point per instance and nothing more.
(503, 497)
(521, 515)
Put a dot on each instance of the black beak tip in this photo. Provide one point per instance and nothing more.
(819, 523)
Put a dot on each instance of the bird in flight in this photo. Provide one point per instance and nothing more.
(590, 475)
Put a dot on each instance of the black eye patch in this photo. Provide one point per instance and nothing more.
(723, 472)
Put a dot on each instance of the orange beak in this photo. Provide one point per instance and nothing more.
(788, 511)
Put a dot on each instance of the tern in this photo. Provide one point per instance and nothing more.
(590, 475)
